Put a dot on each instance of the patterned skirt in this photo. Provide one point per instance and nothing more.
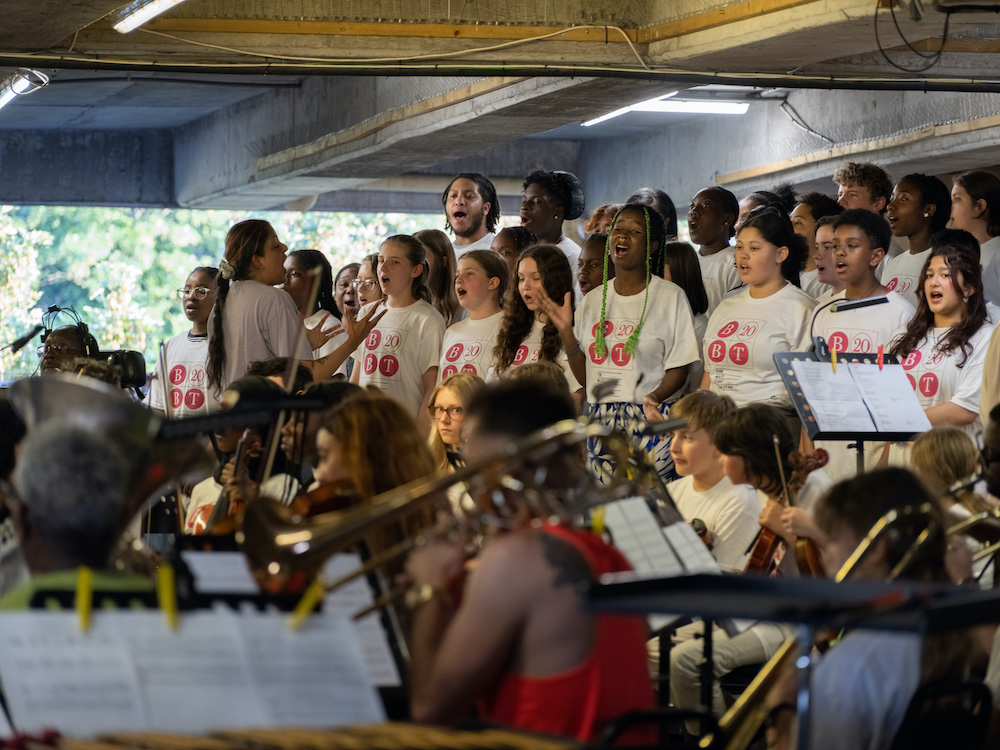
(629, 419)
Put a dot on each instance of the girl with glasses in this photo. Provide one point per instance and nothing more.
(447, 410)
(366, 283)
(179, 385)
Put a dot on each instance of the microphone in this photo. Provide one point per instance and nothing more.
(841, 305)
(23, 341)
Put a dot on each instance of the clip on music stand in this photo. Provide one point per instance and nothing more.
(843, 429)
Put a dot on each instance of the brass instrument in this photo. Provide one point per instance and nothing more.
(739, 725)
(284, 546)
(151, 464)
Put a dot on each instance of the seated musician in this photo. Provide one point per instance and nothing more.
(68, 491)
(65, 344)
(862, 687)
(515, 640)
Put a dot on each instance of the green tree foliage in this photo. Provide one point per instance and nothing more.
(120, 268)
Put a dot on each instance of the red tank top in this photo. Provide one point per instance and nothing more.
(613, 680)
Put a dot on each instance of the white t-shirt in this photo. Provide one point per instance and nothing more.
(184, 359)
(468, 347)
(404, 345)
(937, 378)
(259, 322)
(530, 350)
(719, 274)
(989, 259)
(901, 274)
(729, 511)
(483, 243)
(811, 285)
(696, 370)
(743, 335)
(572, 251)
(333, 344)
(667, 339)
(865, 328)
(861, 330)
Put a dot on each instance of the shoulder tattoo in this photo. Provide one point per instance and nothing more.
(569, 565)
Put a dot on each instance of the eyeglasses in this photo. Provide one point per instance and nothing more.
(61, 350)
(453, 412)
(368, 285)
(199, 292)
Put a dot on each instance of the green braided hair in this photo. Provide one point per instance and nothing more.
(654, 227)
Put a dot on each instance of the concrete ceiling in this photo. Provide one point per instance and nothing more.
(373, 103)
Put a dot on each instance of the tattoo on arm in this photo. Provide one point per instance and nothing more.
(571, 569)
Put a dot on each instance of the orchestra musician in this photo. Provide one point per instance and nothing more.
(513, 636)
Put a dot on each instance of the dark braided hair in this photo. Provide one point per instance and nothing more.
(315, 259)
(486, 191)
(243, 241)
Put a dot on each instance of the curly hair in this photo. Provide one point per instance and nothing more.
(441, 283)
(820, 205)
(873, 225)
(960, 251)
(557, 185)
(601, 213)
(486, 191)
(775, 227)
(866, 175)
(244, 241)
(517, 320)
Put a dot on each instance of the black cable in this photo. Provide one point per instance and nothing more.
(935, 58)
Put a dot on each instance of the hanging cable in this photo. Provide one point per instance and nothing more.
(933, 59)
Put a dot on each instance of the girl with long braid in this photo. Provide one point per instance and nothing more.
(255, 320)
(633, 343)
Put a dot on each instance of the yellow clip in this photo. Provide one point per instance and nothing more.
(833, 358)
(84, 596)
(597, 520)
(166, 594)
(313, 595)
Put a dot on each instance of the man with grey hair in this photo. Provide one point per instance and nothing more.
(68, 491)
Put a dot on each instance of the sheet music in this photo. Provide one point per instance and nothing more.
(890, 398)
(314, 676)
(54, 675)
(194, 679)
(349, 599)
(220, 572)
(689, 548)
(833, 397)
(637, 535)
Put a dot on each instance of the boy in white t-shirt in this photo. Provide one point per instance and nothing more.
(729, 511)
(860, 239)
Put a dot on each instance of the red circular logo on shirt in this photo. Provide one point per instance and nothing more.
(176, 398)
(597, 360)
(619, 356)
(388, 365)
(371, 362)
(748, 331)
(373, 340)
(194, 399)
(608, 327)
(717, 351)
(728, 329)
(198, 376)
(862, 343)
(913, 383)
(521, 356)
(739, 354)
(912, 360)
(471, 369)
(928, 384)
(454, 352)
(838, 341)
(891, 286)
(177, 374)
(449, 370)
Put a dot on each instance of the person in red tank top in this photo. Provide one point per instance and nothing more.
(512, 638)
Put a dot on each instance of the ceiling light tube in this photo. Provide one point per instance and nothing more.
(19, 83)
(666, 104)
(139, 12)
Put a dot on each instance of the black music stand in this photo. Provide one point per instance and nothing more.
(783, 361)
(812, 603)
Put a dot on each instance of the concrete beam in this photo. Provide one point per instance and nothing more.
(38, 24)
(87, 168)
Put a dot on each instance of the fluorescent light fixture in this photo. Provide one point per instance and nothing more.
(136, 14)
(685, 106)
(21, 82)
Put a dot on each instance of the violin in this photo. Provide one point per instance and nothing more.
(768, 544)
